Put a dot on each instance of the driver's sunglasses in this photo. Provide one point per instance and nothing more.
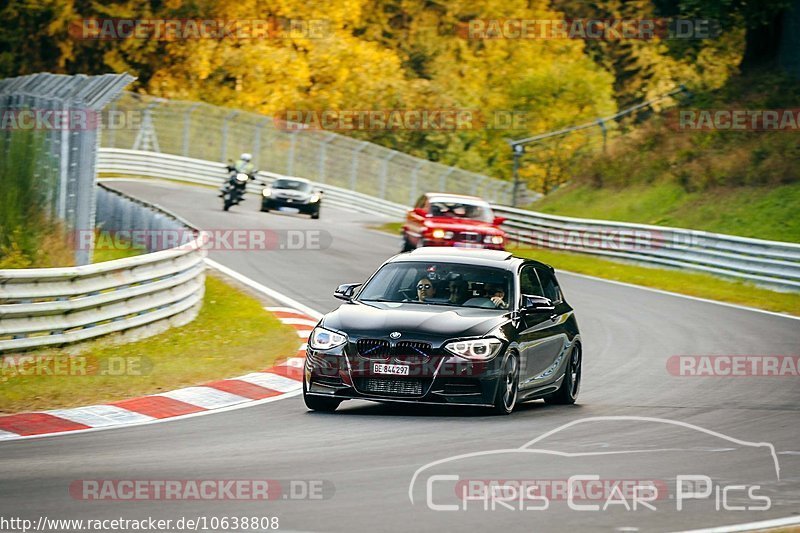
(422, 287)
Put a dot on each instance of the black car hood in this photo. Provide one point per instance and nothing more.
(413, 320)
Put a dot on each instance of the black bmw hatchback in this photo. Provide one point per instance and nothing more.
(447, 326)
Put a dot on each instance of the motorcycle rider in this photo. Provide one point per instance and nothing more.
(243, 165)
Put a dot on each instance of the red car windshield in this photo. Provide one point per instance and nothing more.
(480, 212)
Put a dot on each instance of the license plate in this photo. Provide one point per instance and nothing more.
(394, 370)
(288, 209)
(468, 245)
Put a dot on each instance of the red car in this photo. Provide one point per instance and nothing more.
(441, 219)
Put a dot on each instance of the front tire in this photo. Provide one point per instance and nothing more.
(315, 215)
(317, 403)
(567, 393)
(227, 204)
(508, 386)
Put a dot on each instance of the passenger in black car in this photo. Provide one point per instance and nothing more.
(498, 296)
(459, 292)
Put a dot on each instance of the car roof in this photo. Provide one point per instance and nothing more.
(470, 256)
(292, 178)
(446, 196)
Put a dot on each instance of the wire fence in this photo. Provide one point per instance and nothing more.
(204, 131)
(552, 157)
(64, 112)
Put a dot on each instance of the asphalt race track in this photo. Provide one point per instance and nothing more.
(367, 454)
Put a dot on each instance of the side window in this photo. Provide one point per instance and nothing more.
(529, 282)
(550, 286)
(420, 202)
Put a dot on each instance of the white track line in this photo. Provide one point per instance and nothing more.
(253, 284)
(668, 293)
(751, 526)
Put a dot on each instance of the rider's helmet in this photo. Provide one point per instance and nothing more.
(246, 157)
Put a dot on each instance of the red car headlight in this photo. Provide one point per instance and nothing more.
(441, 234)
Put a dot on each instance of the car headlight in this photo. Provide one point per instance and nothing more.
(476, 349)
(325, 339)
(267, 191)
(314, 198)
(438, 234)
(494, 239)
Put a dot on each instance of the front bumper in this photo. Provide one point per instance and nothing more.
(268, 202)
(443, 379)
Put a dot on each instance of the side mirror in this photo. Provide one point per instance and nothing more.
(420, 212)
(320, 192)
(534, 304)
(345, 292)
(499, 221)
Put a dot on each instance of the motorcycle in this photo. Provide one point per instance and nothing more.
(233, 191)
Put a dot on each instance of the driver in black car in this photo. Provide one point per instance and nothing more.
(425, 290)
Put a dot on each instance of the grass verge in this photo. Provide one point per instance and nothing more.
(682, 282)
(689, 283)
(765, 212)
(232, 335)
(111, 253)
(394, 228)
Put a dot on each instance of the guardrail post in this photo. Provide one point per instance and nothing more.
(322, 156)
(147, 139)
(187, 117)
(518, 150)
(224, 155)
(384, 172)
(475, 184)
(354, 164)
(443, 179)
(603, 129)
(412, 195)
(290, 154)
(257, 140)
(63, 170)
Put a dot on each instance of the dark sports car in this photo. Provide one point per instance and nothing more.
(447, 326)
(290, 194)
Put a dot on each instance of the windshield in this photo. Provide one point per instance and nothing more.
(482, 212)
(446, 284)
(291, 184)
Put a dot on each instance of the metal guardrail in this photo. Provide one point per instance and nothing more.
(52, 306)
(770, 263)
(117, 161)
